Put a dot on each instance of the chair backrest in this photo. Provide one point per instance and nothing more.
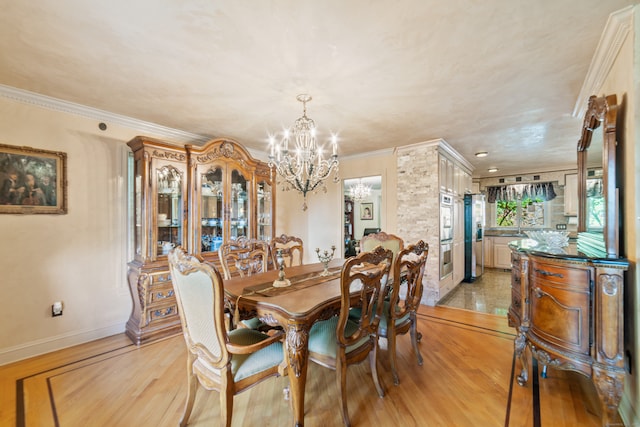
(290, 247)
(243, 257)
(367, 275)
(200, 296)
(409, 268)
(387, 241)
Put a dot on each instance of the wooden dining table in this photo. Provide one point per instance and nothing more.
(310, 297)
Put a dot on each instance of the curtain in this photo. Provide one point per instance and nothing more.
(543, 190)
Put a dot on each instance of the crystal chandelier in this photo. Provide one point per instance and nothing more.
(304, 168)
(360, 191)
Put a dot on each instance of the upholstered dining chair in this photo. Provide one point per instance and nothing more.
(291, 249)
(386, 240)
(399, 312)
(243, 257)
(340, 341)
(226, 361)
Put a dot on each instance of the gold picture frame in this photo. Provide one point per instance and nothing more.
(32, 181)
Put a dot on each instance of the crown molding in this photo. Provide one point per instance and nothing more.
(616, 30)
(59, 105)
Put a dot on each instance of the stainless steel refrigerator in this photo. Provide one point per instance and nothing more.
(474, 222)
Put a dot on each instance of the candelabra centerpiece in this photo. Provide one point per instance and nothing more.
(325, 258)
(281, 281)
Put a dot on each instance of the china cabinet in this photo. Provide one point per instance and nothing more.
(232, 197)
(159, 202)
(195, 197)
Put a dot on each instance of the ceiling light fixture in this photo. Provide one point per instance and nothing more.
(492, 170)
(304, 169)
(482, 154)
(360, 191)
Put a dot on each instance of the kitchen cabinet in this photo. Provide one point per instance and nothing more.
(571, 194)
(488, 252)
(568, 311)
(191, 197)
(496, 251)
(502, 253)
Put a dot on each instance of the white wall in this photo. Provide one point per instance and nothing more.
(79, 258)
(322, 224)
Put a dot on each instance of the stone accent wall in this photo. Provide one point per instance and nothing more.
(418, 194)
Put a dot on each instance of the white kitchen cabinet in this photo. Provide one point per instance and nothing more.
(496, 252)
(501, 252)
(571, 194)
(488, 252)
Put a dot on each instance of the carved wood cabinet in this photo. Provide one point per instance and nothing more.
(195, 197)
(568, 310)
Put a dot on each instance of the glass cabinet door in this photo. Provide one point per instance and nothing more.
(264, 211)
(239, 206)
(212, 210)
(169, 209)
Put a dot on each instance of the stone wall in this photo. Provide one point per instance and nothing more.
(418, 211)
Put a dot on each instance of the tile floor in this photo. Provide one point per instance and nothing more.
(491, 293)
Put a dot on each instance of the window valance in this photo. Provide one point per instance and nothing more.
(513, 192)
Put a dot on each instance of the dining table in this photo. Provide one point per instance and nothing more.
(313, 295)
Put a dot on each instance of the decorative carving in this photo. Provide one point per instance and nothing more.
(520, 346)
(609, 284)
(609, 387)
(169, 155)
(296, 346)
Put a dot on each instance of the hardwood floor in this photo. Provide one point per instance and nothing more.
(466, 380)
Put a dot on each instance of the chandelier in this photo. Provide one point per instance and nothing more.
(360, 191)
(304, 168)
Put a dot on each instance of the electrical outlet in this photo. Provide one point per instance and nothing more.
(56, 309)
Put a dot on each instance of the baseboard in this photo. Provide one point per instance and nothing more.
(47, 345)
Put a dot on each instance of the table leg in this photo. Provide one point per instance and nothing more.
(297, 354)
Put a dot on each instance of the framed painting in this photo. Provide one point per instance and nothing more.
(366, 211)
(33, 181)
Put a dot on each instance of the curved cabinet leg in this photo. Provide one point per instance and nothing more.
(520, 345)
(609, 387)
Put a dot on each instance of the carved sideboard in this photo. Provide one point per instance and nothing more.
(568, 310)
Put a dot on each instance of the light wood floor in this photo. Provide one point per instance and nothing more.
(466, 380)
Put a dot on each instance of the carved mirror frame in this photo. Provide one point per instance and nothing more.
(600, 110)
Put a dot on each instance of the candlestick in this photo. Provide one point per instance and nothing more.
(325, 258)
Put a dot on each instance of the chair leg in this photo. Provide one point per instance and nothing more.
(391, 349)
(341, 377)
(415, 339)
(192, 388)
(226, 406)
(373, 361)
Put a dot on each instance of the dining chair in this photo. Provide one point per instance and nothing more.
(399, 312)
(291, 250)
(226, 361)
(386, 240)
(244, 257)
(340, 341)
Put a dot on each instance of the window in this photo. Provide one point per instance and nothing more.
(524, 213)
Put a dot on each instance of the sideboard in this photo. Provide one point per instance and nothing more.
(568, 310)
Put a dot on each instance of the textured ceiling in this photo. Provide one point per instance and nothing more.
(501, 76)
